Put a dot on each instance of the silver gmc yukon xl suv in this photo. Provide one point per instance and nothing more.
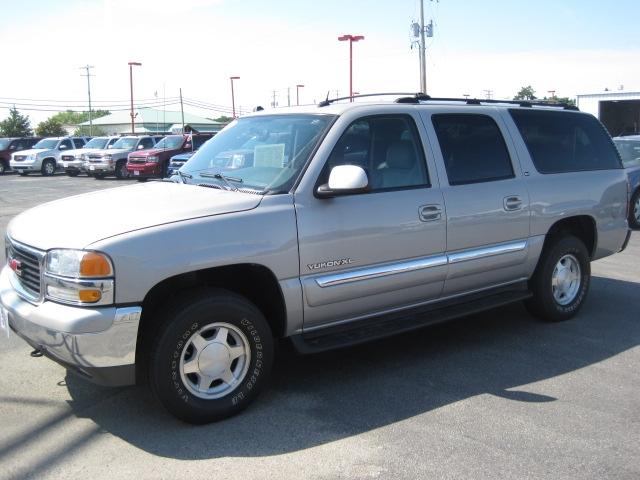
(327, 225)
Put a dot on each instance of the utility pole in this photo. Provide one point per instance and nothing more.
(87, 67)
(131, 65)
(288, 96)
(274, 103)
(182, 110)
(350, 38)
(420, 31)
(489, 94)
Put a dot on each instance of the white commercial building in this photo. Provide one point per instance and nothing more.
(619, 111)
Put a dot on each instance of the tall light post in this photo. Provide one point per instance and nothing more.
(298, 87)
(350, 39)
(233, 98)
(131, 64)
(87, 68)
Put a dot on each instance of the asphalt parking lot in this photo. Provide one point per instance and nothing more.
(496, 395)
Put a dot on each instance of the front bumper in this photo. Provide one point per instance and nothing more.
(99, 344)
(24, 166)
(72, 165)
(144, 169)
(101, 167)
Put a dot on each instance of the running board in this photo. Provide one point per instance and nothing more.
(386, 325)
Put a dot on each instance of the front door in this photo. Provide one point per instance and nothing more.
(379, 251)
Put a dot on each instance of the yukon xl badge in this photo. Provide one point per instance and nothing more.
(330, 263)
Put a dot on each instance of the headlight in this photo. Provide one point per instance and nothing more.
(152, 159)
(107, 157)
(78, 156)
(79, 277)
(83, 157)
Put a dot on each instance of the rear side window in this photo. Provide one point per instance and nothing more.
(147, 142)
(79, 142)
(565, 141)
(473, 148)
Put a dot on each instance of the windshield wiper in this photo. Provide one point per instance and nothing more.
(184, 176)
(224, 178)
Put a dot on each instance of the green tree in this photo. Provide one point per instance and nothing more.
(69, 117)
(15, 125)
(567, 100)
(85, 131)
(223, 119)
(50, 128)
(526, 93)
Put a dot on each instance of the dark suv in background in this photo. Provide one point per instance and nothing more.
(154, 162)
(10, 145)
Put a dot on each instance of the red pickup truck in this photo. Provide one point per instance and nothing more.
(154, 162)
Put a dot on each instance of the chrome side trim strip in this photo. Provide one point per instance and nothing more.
(483, 252)
(342, 278)
(381, 271)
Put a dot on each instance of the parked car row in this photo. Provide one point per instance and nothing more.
(139, 156)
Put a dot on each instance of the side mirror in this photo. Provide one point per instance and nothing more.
(140, 147)
(187, 146)
(62, 147)
(344, 180)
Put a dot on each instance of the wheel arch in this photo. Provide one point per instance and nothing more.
(255, 282)
(581, 226)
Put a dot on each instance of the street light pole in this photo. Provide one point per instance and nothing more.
(87, 67)
(351, 39)
(233, 98)
(131, 64)
(298, 87)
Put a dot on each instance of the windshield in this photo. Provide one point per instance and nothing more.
(629, 152)
(98, 142)
(47, 143)
(170, 143)
(127, 143)
(265, 153)
(4, 143)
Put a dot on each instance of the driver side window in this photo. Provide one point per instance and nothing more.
(389, 150)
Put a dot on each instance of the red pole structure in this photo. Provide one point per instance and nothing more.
(131, 64)
(233, 100)
(351, 39)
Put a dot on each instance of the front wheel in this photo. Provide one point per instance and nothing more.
(561, 280)
(634, 210)
(121, 170)
(211, 356)
(3, 167)
(48, 168)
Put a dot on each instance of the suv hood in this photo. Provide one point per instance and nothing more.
(153, 151)
(112, 151)
(78, 221)
(34, 151)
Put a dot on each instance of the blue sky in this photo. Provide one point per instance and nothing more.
(571, 47)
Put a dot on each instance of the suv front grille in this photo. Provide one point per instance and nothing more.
(28, 267)
(137, 159)
(19, 158)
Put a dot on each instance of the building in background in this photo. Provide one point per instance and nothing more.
(619, 111)
(149, 120)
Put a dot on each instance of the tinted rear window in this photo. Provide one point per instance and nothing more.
(473, 148)
(565, 141)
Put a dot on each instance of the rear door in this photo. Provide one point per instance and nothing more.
(486, 197)
(372, 252)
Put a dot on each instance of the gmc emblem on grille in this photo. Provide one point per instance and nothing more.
(16, 266)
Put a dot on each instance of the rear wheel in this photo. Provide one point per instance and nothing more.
(48, 167)
(634, 210)
(561, 280)
(210, 357)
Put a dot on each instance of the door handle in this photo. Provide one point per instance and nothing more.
(512, 202)
(429, 213)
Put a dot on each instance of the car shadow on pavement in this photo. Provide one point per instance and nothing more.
(318, 399)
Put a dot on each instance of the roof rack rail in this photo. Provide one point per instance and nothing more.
(421, 97)
(328, 101)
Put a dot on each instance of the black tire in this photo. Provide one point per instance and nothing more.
(634, 210)
(172, 347)
(143, 179)
(48, 168)
(121, 170)
(73, 173)
(3, 167)
(98, 176)
(545, 304)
